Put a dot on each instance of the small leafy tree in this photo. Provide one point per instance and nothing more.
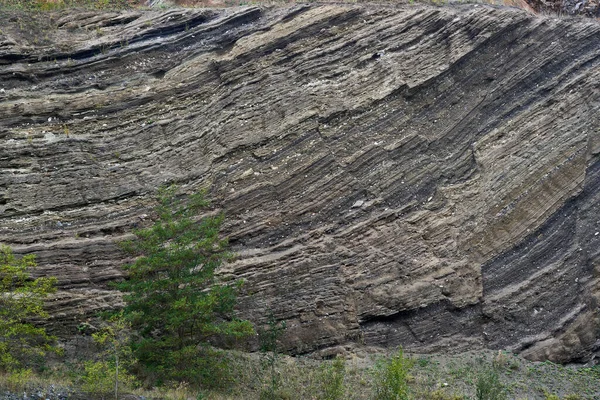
(21, 300)
(109, 372)
(173, 299)
(268, 338)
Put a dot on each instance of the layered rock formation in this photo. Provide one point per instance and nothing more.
(391, 175)
(589, 8)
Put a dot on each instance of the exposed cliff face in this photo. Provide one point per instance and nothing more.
(589, 8)
(420, 176)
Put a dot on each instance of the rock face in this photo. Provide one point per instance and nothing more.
(589, 8)
(416, 176)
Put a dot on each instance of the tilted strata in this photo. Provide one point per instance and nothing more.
(390, 175)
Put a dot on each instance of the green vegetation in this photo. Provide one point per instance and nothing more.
(332, 380)
(22, 299)
(108, 372)
(391, 377)
(160, 345)
(268, 338)
(174, 307)
(51, 5)
(173, 301)
(489, 386)
(302, 378)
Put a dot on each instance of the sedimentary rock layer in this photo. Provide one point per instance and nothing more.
(417, 176)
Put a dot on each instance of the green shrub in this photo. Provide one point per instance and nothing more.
(489, 386)
(17, 380)
(331, 378)
(22, 300)
(99, 378)
(391, 377)
(203, 366)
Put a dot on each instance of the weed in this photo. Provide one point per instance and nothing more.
(423, 362)
(441, 395)
(17, 380)
(331, 378)
(391, 377)
(500, 360)
(489, 387)
(550, 396)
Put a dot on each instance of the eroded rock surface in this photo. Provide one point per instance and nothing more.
(391, 175)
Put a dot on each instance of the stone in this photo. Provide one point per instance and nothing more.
(473, 129)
